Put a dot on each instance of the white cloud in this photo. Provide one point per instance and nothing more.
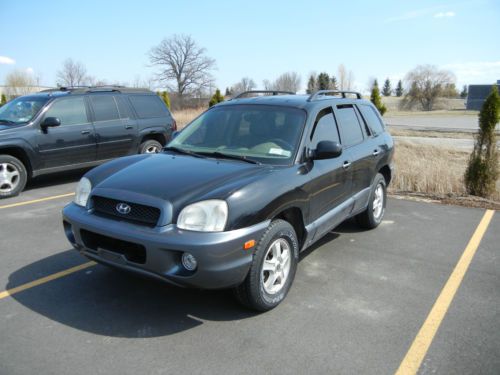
(30, 70)
(444, 14)
(475, 72)
(7, 60)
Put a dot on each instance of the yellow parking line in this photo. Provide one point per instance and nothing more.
(36, 200)
(423, 340)
(46, 279)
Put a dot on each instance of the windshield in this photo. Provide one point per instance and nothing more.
(264, 134)
(21, 110)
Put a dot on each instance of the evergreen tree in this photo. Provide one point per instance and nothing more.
(228, 92)
(376, 100)
(216, 98)
(3, 100)
(311, 84)
(333, 83)
(464, 92)
(387, 90)
(323, 81)
(399, 89)
(166, 98)
(482, 172)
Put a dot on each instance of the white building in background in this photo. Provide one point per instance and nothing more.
(11, 92)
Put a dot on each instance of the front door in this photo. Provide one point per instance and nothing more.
(330, 179)
(73, 142)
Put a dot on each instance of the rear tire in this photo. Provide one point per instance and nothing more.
(374, 213)
(273, 268)
(13, 176)
(150, 146)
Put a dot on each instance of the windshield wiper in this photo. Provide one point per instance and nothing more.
(183, 151)
(232, 156)
(7, 121)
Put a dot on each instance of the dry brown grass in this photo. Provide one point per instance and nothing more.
(429, 133)
(184, 116)
(431, 170)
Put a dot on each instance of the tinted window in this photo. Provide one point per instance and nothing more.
(69, 111)
(325, 128)
(148, 106)
(122, 107)
(349, 125)
(371, 119)
(104, 107)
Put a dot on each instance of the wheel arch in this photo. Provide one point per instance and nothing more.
(18, 153)
(294, 216)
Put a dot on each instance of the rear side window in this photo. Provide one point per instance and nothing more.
(70, 111)
(325, 128)
(148, 106)
(105, 108)
(349, 125)
(371, 118)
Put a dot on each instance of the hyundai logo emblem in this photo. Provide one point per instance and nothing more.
(123, 208)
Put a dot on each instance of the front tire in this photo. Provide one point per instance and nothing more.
(373, 215)
(273, 268)
(13, 176)
(150, 146)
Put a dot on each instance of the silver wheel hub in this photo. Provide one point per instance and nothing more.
(151, 150)
(378, 202)
(9, 177)
(276, 267)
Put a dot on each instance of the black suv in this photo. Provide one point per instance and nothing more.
(71, 128)
(238, 193)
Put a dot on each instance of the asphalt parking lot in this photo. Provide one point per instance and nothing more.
(358, 302)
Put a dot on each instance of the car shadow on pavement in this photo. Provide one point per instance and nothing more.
(55, 179)
(108, 302)
(114, 303)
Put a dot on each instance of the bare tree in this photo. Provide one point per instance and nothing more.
(19, 83)
(246, 84)
(73, 73)
(345, 79)
(289, 81)
(342, 77)
(184, 66)
(425, 84)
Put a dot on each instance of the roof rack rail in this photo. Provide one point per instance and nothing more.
(316, 94)
(272, 92)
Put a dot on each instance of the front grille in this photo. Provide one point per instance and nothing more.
(139, 213)
(133, 252)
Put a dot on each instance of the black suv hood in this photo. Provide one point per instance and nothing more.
(181, 179)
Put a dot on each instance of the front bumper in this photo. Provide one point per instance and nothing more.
(157, 252)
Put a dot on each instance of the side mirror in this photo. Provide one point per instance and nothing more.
(327, 150)
(50, 122)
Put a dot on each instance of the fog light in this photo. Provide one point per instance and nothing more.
(189, 261)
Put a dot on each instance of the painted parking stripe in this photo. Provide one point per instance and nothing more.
(423, 340)
(37, 200)
(46, 279)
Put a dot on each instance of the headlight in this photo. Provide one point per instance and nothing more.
(82, 192)
(204, 216)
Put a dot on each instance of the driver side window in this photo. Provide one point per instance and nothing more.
(325, 128)
(70, 111)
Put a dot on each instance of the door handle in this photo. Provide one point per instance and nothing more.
(346, 164)
(128, 127)
(376, 152)
(85, 132)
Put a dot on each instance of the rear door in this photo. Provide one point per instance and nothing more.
(116, 131)
(330, 182)
(354, 134)
(73, 142)
(376, 142)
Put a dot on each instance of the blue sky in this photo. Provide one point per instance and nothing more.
(258, 39)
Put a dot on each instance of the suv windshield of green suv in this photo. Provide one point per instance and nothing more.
(21, 110)
(263, 134)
